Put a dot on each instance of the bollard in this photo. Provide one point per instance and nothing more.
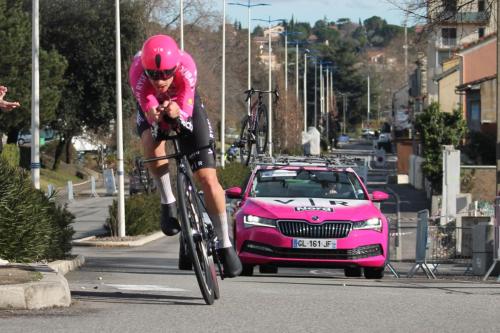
(50, 190)
(70, 191)
(93, 192)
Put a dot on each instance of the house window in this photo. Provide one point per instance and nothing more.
(449, 36)
(480, 6)
(480, 32)
(450, 6)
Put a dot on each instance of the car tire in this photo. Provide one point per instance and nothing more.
(268, 269)
(352, 271)
(20, 142)
(374, 272)
(247, 270)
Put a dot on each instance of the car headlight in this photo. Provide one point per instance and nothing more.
(255, 221)
(371, 224)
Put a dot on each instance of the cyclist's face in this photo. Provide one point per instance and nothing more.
(162, 86)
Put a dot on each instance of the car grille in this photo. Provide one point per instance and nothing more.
(308, 230)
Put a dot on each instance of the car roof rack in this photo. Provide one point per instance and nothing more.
(322, 160)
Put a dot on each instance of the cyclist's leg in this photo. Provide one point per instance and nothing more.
(203, 165)
(161, 176)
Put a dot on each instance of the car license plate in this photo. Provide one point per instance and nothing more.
(305, 243)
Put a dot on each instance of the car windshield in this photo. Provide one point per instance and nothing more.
(328, 184)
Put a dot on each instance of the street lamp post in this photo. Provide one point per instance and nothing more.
(270, 87)
(249, 6)
(286, 33)
(181, 9)
(305, 89)
(119, 127)
(223, 97)
(35, 99)
(368, 102)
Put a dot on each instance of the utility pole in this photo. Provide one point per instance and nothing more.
(270, 87)
(182, 23)
(327, 105)
(119, 127)
(35, 99)
(316, 93)
(406, 46)
(305, 91)
(368, 103)
(249, 7)
(223, 97)
(297, 71)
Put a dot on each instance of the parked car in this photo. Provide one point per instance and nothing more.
(312, 216)
(24, 136)
(384, 142)
(367, 133)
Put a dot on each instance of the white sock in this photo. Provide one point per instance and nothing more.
(163, 185)
(221, 229)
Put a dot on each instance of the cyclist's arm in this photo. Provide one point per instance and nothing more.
(143, 91)
(186, 81)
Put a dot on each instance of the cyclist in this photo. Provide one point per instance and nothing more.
(163, 81)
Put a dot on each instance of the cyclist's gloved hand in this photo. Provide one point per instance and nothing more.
(171, 109)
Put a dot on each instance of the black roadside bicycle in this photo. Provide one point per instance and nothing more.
(254, 130)
(197, 233)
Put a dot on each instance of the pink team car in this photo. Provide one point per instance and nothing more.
(309, 216)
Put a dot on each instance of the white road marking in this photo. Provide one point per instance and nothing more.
(143, 287)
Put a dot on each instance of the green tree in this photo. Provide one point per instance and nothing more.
(437, 128)
(88, 43)
(15, 70)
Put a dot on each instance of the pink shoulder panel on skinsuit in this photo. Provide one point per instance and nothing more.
(181, 91)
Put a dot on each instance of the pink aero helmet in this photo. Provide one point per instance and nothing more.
(160, 57)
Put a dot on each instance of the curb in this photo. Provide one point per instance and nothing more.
(52, 290)
(92, 241)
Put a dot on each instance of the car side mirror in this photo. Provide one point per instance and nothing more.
(234, 193)
(379, 196)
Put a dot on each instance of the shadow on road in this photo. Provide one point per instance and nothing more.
(134, 298)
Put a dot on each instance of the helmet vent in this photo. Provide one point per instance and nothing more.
(158, 60)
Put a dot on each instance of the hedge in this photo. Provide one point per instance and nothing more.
(32, 227)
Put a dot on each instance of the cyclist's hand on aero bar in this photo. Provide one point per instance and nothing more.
(154, 115)
(171, 109)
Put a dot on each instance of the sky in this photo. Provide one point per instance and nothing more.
(314, 10)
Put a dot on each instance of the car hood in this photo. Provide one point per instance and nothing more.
(310, 209)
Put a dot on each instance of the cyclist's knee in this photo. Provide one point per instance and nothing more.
(208, 178)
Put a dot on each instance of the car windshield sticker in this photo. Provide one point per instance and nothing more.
(285, 202)
(313, 208)
(278, 173)
(342, 203)
(331, 202)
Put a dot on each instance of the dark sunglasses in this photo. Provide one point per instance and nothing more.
(160, 74)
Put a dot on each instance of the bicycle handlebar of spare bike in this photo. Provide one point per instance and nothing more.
(253, 91)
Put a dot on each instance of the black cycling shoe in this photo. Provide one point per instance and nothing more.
(168, 220)
(230, 262)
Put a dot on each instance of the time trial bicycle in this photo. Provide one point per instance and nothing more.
(197, 231)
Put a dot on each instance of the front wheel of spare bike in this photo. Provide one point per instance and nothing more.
(246, 141)
(261, 130)
(196, 237)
